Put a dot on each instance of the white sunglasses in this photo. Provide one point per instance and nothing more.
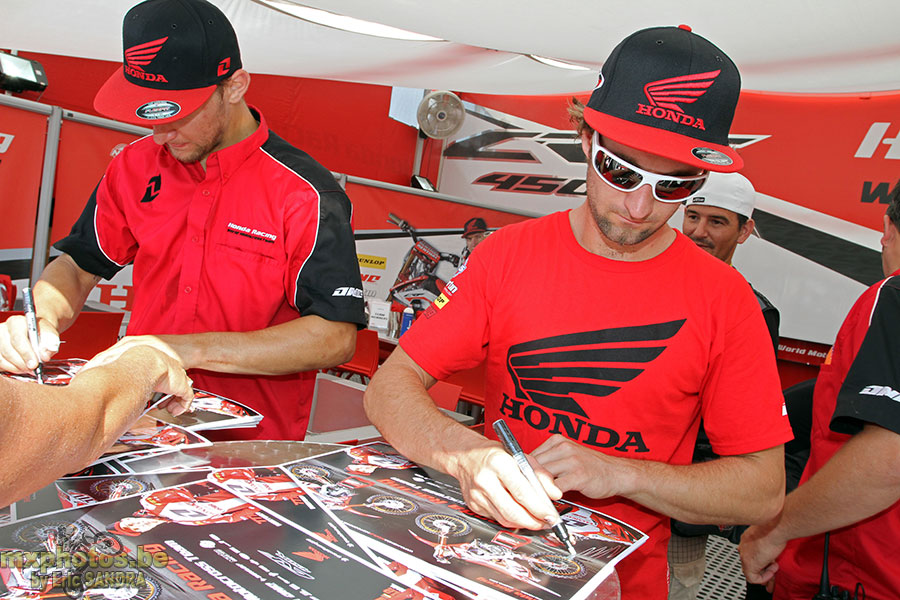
(626, 177)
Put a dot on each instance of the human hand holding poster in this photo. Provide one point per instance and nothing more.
(209, 411)
(149, 434)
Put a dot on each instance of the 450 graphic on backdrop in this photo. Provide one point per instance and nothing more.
(524, 183)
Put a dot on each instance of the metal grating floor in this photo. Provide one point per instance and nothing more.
(723, 579)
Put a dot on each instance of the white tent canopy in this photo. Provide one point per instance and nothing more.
(779, 46)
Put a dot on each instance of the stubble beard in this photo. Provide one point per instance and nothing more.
(620, 235)
(198, 153)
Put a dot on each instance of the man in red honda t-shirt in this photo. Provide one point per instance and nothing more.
(245, 266)
(851, 484)
(607, 335)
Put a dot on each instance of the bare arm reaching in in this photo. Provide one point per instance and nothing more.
(870, 461)
(49, 431)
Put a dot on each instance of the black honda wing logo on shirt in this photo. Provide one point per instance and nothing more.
(555, 373)
(594, 363)
(154, 185)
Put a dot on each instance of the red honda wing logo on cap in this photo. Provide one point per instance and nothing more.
(667, 93)
(137, 57)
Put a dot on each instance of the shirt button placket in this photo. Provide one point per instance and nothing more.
(193, 253)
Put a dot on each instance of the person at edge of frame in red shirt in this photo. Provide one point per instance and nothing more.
(851, 484)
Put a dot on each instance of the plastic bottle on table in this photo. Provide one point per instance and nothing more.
(406, 320)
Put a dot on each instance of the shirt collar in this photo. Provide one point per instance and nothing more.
(231, 158)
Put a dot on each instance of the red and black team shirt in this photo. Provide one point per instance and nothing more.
(858, 384)
(624, 357)
(260, 237)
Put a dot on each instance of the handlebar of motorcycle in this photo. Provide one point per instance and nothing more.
(404, 225)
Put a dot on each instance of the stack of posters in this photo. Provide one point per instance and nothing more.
(56, 372)
(353, 523)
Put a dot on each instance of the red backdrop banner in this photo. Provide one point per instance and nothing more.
(22, 136)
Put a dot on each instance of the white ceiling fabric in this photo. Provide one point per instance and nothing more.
(779, 45)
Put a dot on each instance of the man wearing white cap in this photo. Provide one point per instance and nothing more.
(719, 218)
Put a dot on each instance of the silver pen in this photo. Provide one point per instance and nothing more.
(33, 336)
(512, 446)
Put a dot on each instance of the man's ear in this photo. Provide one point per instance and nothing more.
(890, 232)
(746, 229)
(586, 136)
(237, 86)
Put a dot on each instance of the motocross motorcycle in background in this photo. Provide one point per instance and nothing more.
(424, 273)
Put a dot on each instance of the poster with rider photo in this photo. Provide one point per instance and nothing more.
(409, 266)
(418, 517)
(55, 372)
(85, 491)
(210, 411)
(274, 490)
(149, 435)
(430, 587)
(192, 541)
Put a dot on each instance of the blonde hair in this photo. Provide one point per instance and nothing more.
(576, 117)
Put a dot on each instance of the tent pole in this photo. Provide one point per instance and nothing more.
(45, 199)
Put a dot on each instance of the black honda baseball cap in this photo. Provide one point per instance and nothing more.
(669, 92)
(175, 52)
(474, 225)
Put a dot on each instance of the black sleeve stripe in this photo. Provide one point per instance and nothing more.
(83, 246)
(328, 283)
(870, 392)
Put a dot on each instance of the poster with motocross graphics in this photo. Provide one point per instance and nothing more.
(110, 467)
(191, 541)
(149, 434)
(84, 491)
(418, 517)
(56, 372)
(210, 411)
(428, 587)
(274, 490)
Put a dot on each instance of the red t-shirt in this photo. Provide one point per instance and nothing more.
(259, 238)
(858, 384)
(625, 357)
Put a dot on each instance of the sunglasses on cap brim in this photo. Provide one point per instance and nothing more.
(626, 177)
